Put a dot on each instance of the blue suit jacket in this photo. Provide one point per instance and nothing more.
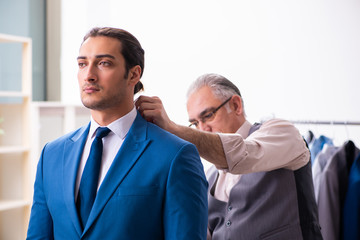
(155, 189)
(351, 211)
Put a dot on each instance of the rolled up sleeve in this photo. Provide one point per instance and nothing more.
(276, 144)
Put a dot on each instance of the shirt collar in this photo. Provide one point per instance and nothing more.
(244, 129)
(120, 127)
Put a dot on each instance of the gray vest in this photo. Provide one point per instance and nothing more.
(278, 204)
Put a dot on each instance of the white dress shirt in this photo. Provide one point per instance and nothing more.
(276, 144)
(111, 145)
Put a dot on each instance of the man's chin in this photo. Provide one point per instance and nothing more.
(92, 105)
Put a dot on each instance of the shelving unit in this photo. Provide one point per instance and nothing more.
(54, 119)
(16, 171)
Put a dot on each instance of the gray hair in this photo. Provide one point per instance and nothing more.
(221, 87)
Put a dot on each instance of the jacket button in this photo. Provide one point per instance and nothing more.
(228, 223)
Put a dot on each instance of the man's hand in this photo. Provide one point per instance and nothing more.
(208, 144)
(152, 109)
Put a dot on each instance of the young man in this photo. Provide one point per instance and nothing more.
(261, 187)
(146, 183)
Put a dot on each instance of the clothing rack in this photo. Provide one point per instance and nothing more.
(326, 122)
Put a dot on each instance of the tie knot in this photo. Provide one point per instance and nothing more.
(102, 132)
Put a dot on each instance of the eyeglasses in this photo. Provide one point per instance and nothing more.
(208, 116)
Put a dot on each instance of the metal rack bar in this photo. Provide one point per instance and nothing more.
(355, 123)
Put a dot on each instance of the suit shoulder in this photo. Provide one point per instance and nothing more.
(71, 135)
(157, 133)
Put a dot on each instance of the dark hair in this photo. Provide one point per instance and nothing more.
(131, 48)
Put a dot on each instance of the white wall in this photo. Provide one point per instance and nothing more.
(298, 60)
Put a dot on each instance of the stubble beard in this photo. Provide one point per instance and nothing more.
(103, 102)
(100, 104)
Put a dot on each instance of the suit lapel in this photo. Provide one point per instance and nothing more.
(129, 153)
(73, 149)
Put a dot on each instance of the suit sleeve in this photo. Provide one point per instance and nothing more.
(40, 225)
(185, 211)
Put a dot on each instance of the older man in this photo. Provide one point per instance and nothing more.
(261, 185)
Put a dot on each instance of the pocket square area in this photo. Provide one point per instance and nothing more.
(137, 191)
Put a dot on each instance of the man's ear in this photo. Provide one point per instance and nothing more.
(236, 104)
(134, 75)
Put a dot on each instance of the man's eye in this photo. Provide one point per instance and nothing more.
(81, 64)
(194, 124)
(207, 116)
(104, 63)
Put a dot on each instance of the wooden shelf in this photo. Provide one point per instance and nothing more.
(13, 149)
(13, 94)
(11, 38)
(9, 205)
(16, 167)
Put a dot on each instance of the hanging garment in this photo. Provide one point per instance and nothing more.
(309, 137)
(319, 164)
(317, 144)
(332, 190)
(351, 223)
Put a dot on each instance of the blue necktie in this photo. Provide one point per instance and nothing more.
(90, 176)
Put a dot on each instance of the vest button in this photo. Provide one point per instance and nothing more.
(229, 208)
(228, 223)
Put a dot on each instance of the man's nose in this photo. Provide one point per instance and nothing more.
(91, 73)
